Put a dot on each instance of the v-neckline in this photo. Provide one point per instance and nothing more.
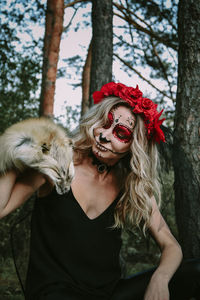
(83, 212)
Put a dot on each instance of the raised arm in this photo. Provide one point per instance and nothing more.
(16, 188)
(171, 256)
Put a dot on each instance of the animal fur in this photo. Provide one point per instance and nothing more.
(40, 144)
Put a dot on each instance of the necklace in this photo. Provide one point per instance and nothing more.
(101, 167)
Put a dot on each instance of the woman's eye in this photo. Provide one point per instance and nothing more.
(122, 133)
(109, 121)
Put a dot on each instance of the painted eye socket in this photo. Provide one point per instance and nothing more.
(109, 121)
(122, 133)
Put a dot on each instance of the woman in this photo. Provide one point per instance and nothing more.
(75, 240)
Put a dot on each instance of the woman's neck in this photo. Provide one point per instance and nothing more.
(100, 166)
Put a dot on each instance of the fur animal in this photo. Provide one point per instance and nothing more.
(40, 144)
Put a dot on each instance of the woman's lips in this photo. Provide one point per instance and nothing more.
(104, 149)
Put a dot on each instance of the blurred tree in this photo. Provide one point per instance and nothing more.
(102, 44)
(20, 61)
(187, 129)
(53, 31)
(86, 81)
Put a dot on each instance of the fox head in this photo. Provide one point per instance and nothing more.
(62, 152)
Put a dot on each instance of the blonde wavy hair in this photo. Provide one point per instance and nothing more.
(138, 168)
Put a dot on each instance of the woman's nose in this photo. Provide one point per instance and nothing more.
(104, 136)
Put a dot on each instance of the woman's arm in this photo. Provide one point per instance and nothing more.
(171, 256)
(16, 188)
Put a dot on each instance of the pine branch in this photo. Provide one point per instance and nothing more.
(70, 22)
(162, 67)
(125, 42)
(141, 76)
(129, 13)
(150, 31)
(164, 15)
(74, 2)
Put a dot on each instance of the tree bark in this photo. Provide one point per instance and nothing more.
(86, 81)
(186, 154)
(102, 44)
(53, 31)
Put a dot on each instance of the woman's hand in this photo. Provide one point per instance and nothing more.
(157, 288)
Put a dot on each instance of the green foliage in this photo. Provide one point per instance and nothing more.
(15, 238)
(20, 61)
(70, 118)
(9, 286)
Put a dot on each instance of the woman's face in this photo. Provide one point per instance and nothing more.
(113, 140)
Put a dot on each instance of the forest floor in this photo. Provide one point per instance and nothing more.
(9, 284)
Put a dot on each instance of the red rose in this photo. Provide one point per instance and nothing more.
(97, 96)
(136, 93)
(158, 133)
(148, 104)
(109, 89)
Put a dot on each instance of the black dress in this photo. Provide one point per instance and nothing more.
(71, 252)
(75, 258)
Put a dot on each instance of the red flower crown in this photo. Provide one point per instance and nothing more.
(142, 106)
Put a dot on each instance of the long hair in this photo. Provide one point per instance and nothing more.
(138, 168)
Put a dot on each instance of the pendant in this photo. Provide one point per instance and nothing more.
(102, 168)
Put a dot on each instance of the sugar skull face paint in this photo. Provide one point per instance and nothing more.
(120, 131)
(113, 140)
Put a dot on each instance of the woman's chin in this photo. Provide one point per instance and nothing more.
(104, 157)
(98, 154)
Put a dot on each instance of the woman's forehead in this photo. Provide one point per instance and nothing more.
(123, 114)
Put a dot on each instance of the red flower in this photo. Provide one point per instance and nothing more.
(130, 94)
(97, 96)
(109, 89)
(148, 104)
(158, 134)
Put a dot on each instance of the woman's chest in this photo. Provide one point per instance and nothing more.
(94, 196)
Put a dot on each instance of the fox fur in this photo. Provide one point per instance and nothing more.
(40, 144)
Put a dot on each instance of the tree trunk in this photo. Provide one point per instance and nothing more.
(186, 154)
(53, 31)
(102, 44)
(86, 81)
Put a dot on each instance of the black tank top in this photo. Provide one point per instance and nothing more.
(68, 248)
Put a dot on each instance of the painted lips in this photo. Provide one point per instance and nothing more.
(104, 149)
